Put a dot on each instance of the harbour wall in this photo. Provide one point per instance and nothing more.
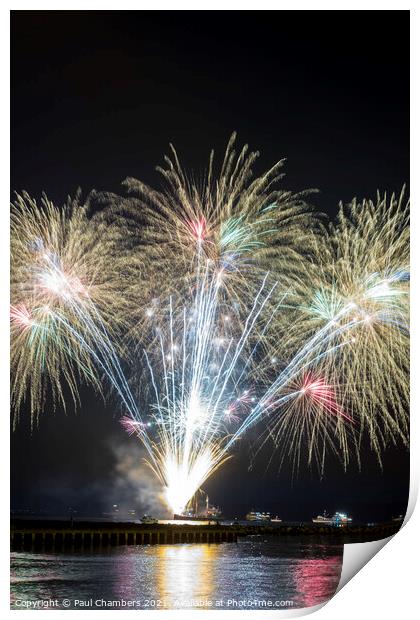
(56, 535)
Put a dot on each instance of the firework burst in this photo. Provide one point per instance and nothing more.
(359, 290)
(236, 223)
(64, 296)
(238, 312)
(311, 423)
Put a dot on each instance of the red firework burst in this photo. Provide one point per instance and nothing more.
(322, 394)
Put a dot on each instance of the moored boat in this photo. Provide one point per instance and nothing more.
(339, 519)
(148, 520)
(257, 515)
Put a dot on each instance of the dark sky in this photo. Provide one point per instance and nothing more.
(97, 97)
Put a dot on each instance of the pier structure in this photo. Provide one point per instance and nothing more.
(63, 535)
(74, 535)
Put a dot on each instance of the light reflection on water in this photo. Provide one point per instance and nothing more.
(183, 576)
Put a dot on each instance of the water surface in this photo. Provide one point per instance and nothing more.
(252, 574)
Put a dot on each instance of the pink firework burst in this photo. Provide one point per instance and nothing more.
(246, 398)
(131, 426)
(21, 316)
(198, 229)
(230, 413)
(239, 406)
(322, 394)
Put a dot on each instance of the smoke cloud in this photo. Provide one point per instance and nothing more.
(134, 484)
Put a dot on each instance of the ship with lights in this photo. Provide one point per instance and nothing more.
(257, 515)
(339, 519)
(208, 513)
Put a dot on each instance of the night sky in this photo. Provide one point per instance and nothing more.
(97, 97)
